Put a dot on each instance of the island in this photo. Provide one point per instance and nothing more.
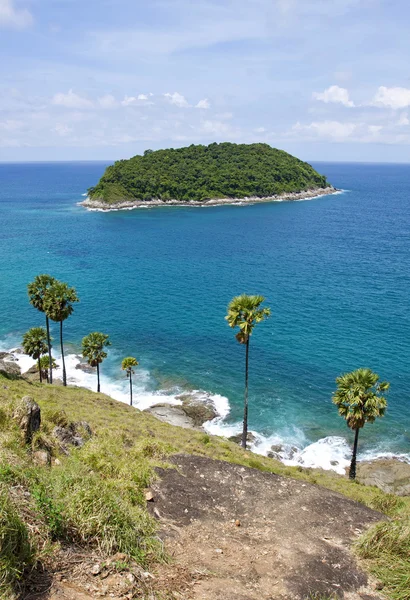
(198, 175)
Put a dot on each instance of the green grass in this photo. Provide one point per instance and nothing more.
(95, 496)
(16, 552)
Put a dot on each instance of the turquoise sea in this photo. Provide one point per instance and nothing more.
(335, 271)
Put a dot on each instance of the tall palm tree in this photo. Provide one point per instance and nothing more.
(35, 345)
(44, 367)
(37, 291)
(127, 365)
(245, 312)
(93, 346)
(359, 400)
(58, 306)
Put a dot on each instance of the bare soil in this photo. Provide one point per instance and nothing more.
(233, 533)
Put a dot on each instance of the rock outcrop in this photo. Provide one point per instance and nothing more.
(28, 416)
(9, 369)
(390, 475)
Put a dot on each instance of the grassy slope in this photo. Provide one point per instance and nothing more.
(95, 497)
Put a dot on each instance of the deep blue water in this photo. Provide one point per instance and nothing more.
(334, 270)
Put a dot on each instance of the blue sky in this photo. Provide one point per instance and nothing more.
(106, 79)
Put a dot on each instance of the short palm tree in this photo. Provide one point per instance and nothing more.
(359, 400)
(37, 291)
(58, 306)
(35, 345)
(245, 312)
(44, 367)
(127, 365)
(93, 346)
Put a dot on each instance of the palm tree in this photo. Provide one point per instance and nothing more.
(35, 344)
(37, 291)
(245, 312)
(93, 350)
(127, 365)
(44, 366)
(58, 306)
(359, 400)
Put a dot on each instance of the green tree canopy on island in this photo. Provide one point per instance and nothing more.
(198, 173)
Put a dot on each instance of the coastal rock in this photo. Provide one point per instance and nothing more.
(10, 369)
(28, 416)
(390, 475)
(85, 367)
(237, 439)
(6, 355)
(173, 415)
(198, 407)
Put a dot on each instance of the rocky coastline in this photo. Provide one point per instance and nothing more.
(155, 203)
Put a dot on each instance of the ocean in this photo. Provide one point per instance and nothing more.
(335, 271)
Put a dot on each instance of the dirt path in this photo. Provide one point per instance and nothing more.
(248, 535)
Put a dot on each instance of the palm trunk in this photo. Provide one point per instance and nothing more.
(245, 410)
(130, 389)
(352, 471)
(49, 349)
(39, 369)
(98, 377)
(62, 353)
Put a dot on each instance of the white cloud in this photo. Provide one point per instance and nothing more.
(331, 130)
(334, 94)
(11, 125)
(142, 97)
(129, 101)
(260, 130)
(177, 99)
(214, 127)
(10, 16)
(396, 97)
(203, 104)
(375, 129)
(403, 120)
(108, 101)
(71, 100)
(62, 130)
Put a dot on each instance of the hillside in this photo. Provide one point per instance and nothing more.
(202, 173)
(107, 501)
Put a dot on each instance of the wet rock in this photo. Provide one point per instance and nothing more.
(6, 355)
(237, 439)
(86, 368)
(174, 415)
(28, 416)
(390, 475)
(9, 369)
(198, 407)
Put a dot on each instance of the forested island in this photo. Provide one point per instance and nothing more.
(200, 175)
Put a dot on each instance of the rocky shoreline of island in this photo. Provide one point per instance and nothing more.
(101, 205)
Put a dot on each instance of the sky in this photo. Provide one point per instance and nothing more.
(107, 79)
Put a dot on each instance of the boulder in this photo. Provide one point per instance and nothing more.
(10, 369)
(198, 407)
(42, 458)
(75, 434)
(28, 416)
(86, 368)
(389, 474)
(237, 439)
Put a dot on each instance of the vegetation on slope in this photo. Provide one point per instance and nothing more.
(198, 173)
(95, 496)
